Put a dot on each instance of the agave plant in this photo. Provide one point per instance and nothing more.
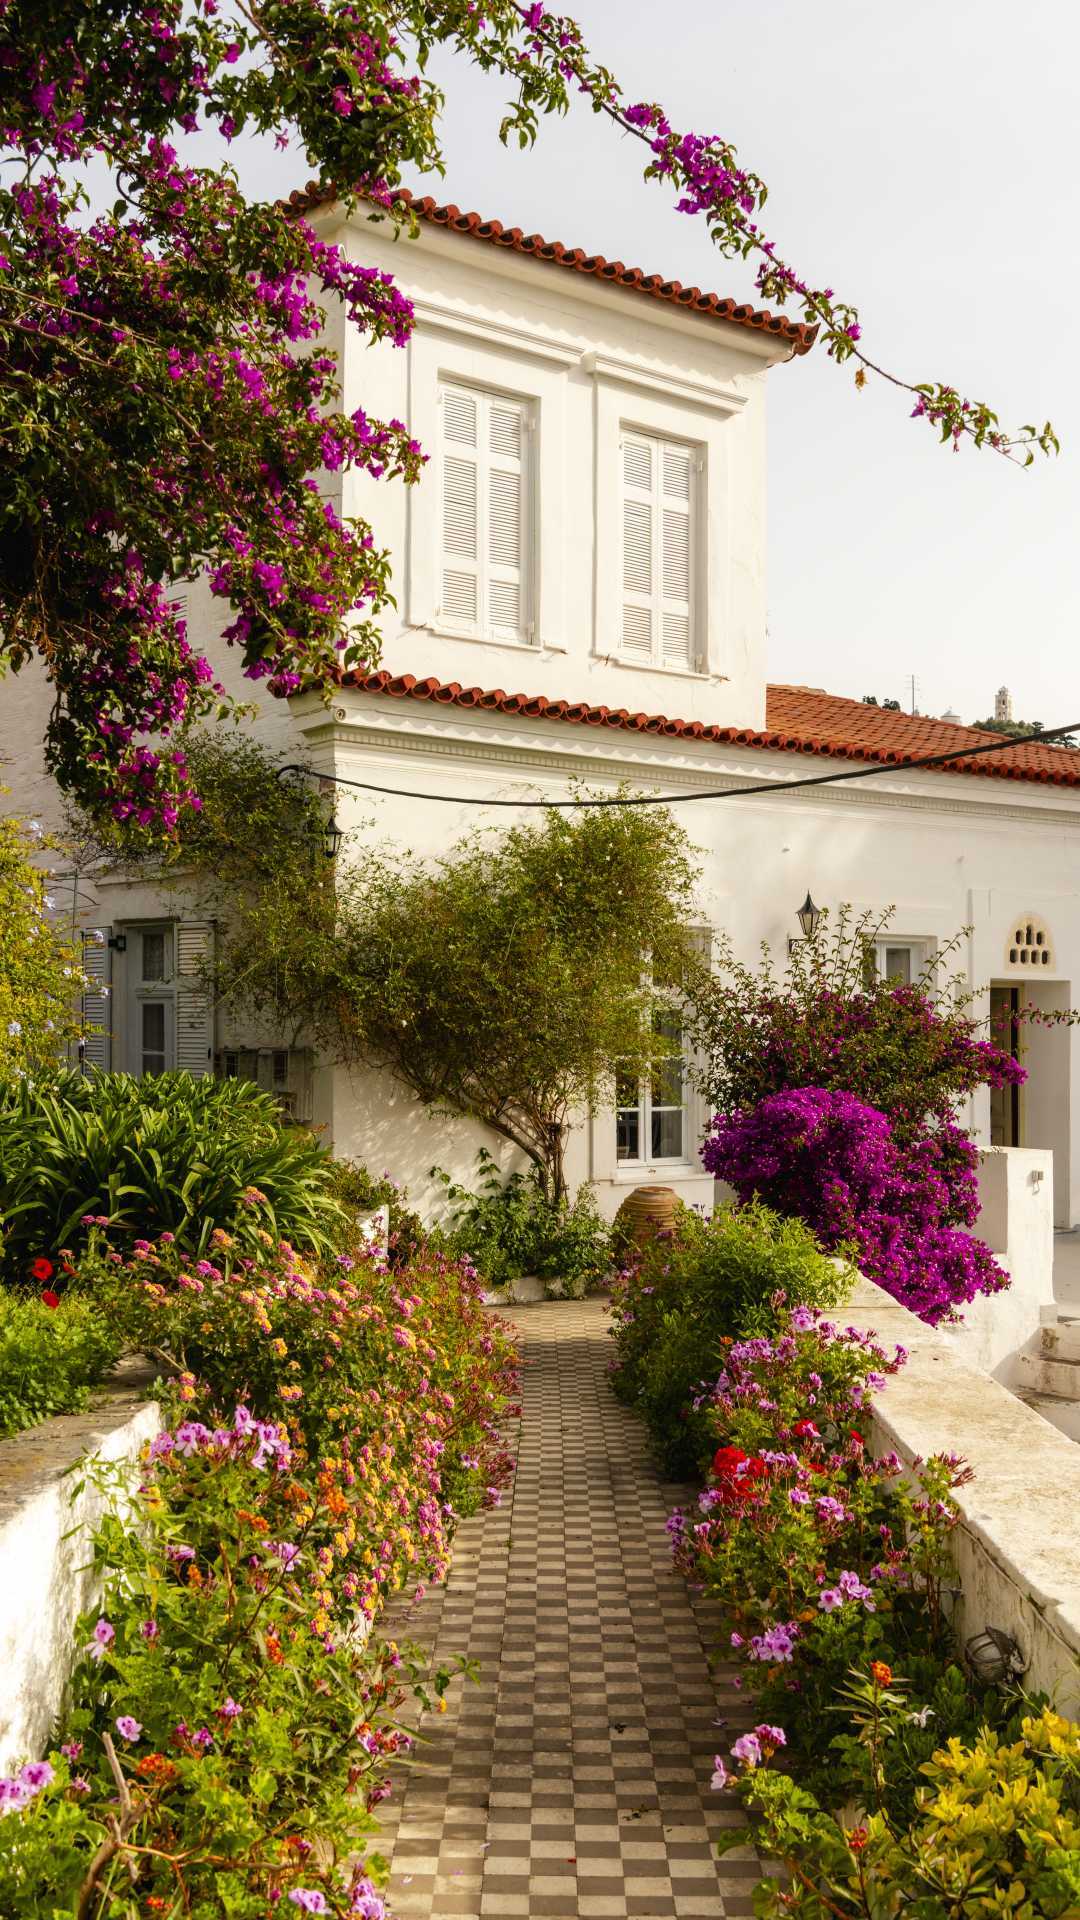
(167, 1153)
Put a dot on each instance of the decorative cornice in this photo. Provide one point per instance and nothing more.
(482, 744)
(494, 333)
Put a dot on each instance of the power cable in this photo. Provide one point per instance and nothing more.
(1003, 745)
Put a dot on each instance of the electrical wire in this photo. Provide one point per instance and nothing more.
(719, 793)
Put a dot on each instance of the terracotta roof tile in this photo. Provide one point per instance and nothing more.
(794, 333)
(797, 720)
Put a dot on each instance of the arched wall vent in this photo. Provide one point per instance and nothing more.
(1030, 944)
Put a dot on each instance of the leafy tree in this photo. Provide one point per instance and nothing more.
(502, 982)
(41, 973)
(1022, 730)
(165, 410)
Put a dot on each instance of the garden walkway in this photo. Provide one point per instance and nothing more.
(573, 1781)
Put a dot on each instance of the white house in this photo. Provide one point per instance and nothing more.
(585, 558)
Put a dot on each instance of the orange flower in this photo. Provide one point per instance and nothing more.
(880, 1674)
(158, 1768)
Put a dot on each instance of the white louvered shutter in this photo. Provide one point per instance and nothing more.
(460, 505)
(638, 544)
(484, 469)
(97, 1007)
(657, 551)
(194, 1013)
(676, 483)
(505, 517)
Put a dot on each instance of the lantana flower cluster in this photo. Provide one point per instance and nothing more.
(232, 1676)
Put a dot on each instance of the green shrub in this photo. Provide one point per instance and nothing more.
(995, 1832)
(512, 1229)
(360, 1191)
(713, 1280)
(50, 1357)
(167, 1153)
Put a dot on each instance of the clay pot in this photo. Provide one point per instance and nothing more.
(646, 1212)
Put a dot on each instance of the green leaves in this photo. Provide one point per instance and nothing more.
(162, 1153)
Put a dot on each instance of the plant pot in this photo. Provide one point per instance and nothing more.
(646, 1212)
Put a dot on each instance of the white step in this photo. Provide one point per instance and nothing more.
(1060, 1340)
(1049, 1373)
(1061, 1413)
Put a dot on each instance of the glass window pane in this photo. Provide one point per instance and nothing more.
(152, 1026)
(628, 1134)
(667, 1083)
(153, 956)
(898, 965)
(667, 1134)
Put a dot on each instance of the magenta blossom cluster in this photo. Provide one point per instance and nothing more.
(901, 1206)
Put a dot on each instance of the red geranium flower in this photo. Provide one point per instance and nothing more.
(49, 1298)
(41, 1269)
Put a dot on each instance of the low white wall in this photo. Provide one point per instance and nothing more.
(1016, 1220)
(1018, 1546)
(45, 1581)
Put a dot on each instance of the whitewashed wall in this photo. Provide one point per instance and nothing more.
(45, 1551)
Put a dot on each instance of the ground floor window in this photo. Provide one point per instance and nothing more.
(901, 961)
(651, 1117)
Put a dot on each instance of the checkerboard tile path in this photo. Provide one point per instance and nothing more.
(573, 1781)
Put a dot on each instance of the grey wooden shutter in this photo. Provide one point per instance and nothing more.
(194, 1012)
(97, 1006)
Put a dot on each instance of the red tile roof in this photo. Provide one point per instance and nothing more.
(798, 720)
(794, 333)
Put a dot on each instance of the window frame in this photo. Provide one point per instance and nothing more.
(660, 502)
(646, 1106)
(920, 953)
(141, 992)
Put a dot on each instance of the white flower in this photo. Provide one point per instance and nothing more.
(920, 1719)
(14, 1029)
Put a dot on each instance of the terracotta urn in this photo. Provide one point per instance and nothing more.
(645, 1212)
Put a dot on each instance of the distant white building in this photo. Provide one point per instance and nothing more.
(584, 561)
(1003, 708)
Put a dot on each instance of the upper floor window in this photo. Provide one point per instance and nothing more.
(651, 1117)
(658, 551)
(484, 473)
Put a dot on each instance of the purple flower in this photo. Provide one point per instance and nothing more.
(37, 1774)
(747, 1748)
(102, 1637)
(229, 1709)
(127, 1728)
(308, 1899)
(720, 1774)
(830, 1599)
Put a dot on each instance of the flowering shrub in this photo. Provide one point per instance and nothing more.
(893, 1203)
(824, 1557)
(233, 1716)
(219, 1753)
(509, 1228)
(831, 1021)
(682, 1299)
(52, 1351)
(166, 1152)
(393, 1381)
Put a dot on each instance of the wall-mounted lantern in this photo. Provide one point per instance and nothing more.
(994, 1656)
(808, 917)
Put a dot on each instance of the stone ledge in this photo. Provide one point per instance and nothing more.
(1018, 1547)
(45, 1536)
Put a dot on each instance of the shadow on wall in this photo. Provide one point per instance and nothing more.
(376, 1120)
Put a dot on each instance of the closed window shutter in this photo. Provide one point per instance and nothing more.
(638, 543)
(460, 494)
(483, 464)
(194, 1013)
(96, 1008)
(657, 567)
(504, 517)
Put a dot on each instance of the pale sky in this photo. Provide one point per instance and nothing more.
(919, 160)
